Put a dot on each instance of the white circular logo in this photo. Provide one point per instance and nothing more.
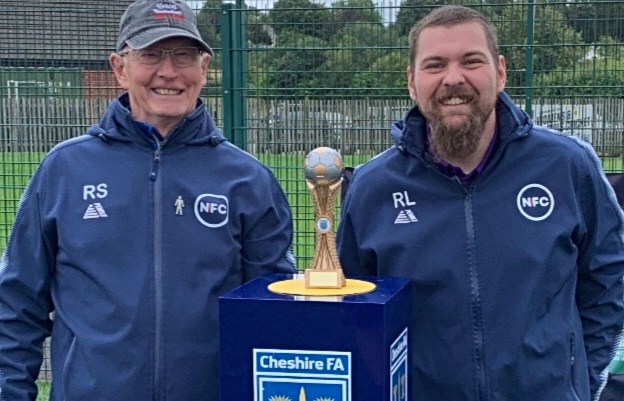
(535, 202)
(211, 210)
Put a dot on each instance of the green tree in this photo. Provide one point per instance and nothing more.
(294, 63)
(356, 11)
(387, 76)
(596, 76)
(368, 42)
(259, 31)
(595, 18)
(607, 46)
(209, 22)
(411, 11)
(555, 43)
(302, 16)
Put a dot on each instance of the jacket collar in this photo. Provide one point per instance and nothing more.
(117, 124)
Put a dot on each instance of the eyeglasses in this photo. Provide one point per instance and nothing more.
(181, 56)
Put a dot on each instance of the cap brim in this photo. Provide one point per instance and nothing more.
(151, 36)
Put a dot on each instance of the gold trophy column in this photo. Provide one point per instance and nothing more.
(325, 271)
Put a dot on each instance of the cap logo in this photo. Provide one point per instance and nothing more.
(146, 22)
(165, 10)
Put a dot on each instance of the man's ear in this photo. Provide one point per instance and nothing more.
(205, 62)
(410, 84)
(502, 73)
(119, 69)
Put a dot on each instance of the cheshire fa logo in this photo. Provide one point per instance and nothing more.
(398, 368)
(284, 375)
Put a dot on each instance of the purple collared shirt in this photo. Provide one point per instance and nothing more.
(453, 171)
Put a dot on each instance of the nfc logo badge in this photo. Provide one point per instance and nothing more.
(288, 375)
(211, 210)
(535, 202)
(398, 368)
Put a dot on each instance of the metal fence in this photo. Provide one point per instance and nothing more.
(290, 75)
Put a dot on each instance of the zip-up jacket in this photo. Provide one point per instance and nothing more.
(128, 241)
(518, 291)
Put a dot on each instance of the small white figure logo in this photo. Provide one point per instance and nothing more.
(179, 205)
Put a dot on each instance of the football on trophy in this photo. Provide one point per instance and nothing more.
(323, 166)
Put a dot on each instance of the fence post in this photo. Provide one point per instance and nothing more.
(234, 85)
(530, 42)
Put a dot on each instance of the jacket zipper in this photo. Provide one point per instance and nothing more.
(475, 301)
(155, 163)
(157, 273)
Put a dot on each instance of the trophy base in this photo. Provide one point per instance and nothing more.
(324, 278)
(297, 287)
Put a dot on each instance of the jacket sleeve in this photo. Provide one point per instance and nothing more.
(25, 302)
(600, 289)
(267, 243)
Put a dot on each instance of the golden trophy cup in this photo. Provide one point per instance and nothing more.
(323, 170)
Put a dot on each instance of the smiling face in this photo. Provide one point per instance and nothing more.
(163, 94)
(455, 81)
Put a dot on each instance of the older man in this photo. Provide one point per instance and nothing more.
(130, 233)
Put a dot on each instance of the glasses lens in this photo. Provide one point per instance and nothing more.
(149, 56)
(185, 55)
(182, 56)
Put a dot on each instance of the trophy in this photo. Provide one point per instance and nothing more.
(323, 172)
(323, 168)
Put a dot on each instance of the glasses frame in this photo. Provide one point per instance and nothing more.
(163, 54)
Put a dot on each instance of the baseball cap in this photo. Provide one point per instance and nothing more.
(146, 22)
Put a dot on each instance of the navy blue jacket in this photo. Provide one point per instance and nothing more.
(518, 291)
(133, 282)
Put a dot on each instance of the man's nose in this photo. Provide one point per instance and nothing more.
(454, 75)
(167, 66)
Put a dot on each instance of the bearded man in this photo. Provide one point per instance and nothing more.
(510, 232)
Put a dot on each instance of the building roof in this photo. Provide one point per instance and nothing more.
(58, 32)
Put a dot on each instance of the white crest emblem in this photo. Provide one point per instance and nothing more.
(212, 210)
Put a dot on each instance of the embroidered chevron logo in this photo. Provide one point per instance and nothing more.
(405, 216)
(94, 211)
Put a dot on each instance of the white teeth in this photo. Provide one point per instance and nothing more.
(454, 101)
(167, 91)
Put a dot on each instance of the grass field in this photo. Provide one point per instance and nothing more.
(44, 390)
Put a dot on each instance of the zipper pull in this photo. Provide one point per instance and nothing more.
(155, 164)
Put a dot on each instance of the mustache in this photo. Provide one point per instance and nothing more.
(455, 91)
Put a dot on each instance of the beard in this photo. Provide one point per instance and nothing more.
(453, 140)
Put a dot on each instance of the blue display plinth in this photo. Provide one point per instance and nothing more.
(277, 347)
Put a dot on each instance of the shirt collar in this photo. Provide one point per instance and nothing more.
(453, 171)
